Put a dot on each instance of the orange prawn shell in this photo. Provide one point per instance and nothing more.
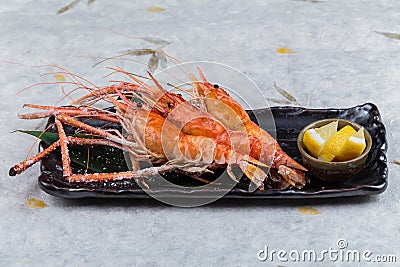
(262, 145)
(166, 140)
(152, 129)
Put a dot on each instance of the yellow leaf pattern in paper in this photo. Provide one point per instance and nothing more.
(284, 50)
(59, 77)
(35, 203)
(153, 9)
(309, 211)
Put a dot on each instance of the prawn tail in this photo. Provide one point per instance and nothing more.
(294, 177)
(254, 173)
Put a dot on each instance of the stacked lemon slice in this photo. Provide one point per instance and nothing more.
(328, 144)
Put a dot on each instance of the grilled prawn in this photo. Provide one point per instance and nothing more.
(217, 100)
(219, 117)
(222, 118)
(150, 137)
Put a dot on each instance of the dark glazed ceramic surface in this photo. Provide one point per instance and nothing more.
(289, 121)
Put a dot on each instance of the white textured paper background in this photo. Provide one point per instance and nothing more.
(339, 61)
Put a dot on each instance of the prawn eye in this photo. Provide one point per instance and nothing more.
(216, 86)
(170, 105)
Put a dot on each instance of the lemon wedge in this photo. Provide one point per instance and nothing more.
(315, 139)
(353, 147)
(335, 146)
(327, 131)
(313, 142)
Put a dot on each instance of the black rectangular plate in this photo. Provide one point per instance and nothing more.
(288, 121)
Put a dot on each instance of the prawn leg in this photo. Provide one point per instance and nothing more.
(65, 141)
(71, 111)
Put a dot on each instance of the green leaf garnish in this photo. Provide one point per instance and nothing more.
(101, 159)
